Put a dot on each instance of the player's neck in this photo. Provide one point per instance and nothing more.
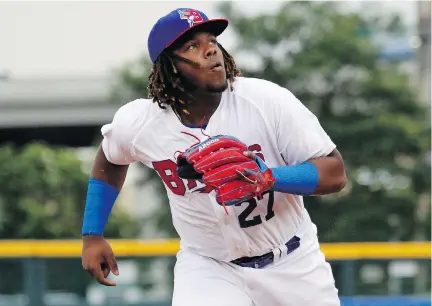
(202, 106)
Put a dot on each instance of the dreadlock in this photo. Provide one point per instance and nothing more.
(166, 85)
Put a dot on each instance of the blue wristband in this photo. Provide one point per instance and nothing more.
(301, 179)
(100, 201)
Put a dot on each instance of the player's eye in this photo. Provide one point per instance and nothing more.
(192, 46)
(214, 41)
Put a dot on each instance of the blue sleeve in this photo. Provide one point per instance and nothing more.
(101, 197)
(300, 179)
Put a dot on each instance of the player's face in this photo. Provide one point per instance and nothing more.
(202, 48)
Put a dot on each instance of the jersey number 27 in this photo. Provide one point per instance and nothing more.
(245, 218)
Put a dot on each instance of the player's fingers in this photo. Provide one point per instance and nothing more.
(106, 270)
(250, 154)
(99, 276)
(95, 271)
(112, 263)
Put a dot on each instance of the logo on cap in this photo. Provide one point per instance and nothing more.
(192, 16)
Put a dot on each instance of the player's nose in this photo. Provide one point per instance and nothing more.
(211, 51)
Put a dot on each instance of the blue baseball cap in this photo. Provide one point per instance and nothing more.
(174, 25)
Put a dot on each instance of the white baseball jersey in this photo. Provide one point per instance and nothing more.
(269, 119)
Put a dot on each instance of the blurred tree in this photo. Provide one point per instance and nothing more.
(42, 196)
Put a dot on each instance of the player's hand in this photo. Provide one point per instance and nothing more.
(257, 159)
(98, 259)
(250, 154)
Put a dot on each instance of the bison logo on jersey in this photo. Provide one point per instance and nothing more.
(192, 16)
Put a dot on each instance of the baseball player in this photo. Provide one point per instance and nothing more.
(237, 155)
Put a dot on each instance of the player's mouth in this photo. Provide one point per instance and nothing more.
(216, 67)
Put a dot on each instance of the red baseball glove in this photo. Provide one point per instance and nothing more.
(220, 164)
